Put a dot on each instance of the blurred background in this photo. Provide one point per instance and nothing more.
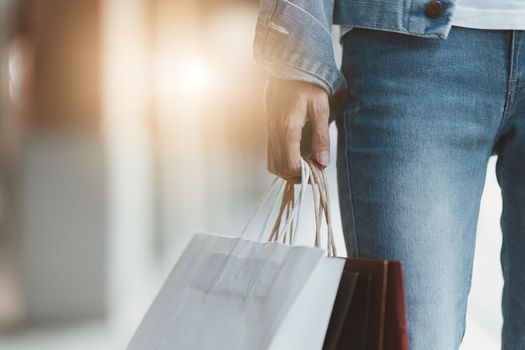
(125, 126)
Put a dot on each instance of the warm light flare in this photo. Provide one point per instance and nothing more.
(185, 77)
(195, 76)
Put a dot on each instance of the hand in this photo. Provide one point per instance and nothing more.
(289, 105)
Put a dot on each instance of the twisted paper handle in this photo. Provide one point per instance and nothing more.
(318, 180)
(290, 209)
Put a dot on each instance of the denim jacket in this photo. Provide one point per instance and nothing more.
(293, 37)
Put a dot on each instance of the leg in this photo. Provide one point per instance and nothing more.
(413, 149)
(510, 170)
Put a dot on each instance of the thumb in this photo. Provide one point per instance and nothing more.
(319, 113)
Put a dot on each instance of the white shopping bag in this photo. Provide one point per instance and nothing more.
(231, 293)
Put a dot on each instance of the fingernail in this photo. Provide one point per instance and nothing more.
(324, 158)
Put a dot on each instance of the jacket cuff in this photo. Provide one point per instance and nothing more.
(296, 45)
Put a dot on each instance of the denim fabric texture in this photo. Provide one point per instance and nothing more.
(293, 37)
(421, 120)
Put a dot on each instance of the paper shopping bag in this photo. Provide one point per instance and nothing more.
(231, 293)
(369, 310)
(214, 299)
(387, 325)
(345, 294)
(350, 316)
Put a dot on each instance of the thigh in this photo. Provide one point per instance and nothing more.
(511, 177)
(413, 148)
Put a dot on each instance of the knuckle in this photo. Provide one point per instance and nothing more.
(292, 128)
(320, 109)
(281, 174)
(292, 168)
(321, 137)
(321, 95)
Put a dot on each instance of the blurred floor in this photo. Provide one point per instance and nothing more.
(89, 336)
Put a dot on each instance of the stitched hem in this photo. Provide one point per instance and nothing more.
(331, 89)
(407, 32)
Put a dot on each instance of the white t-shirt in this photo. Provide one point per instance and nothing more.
(484, 14)
(490, 14)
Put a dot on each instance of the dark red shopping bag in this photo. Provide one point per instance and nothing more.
(369, 311)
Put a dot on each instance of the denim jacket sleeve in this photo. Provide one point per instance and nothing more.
(293, 40)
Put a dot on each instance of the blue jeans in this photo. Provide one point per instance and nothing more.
(422, 119)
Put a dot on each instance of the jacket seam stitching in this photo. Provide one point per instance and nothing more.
(308, 13)
(271, 13)
(400, 31)
(409, 17)
(263, 39)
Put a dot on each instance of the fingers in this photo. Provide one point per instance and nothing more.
(291, 143)
(284, 157)
(274, 169)
(319, 112)
(288, 105)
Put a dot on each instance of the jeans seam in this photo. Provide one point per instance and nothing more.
(349, 181)
(511, 90)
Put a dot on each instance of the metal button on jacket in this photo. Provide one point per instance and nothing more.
(434, 8)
